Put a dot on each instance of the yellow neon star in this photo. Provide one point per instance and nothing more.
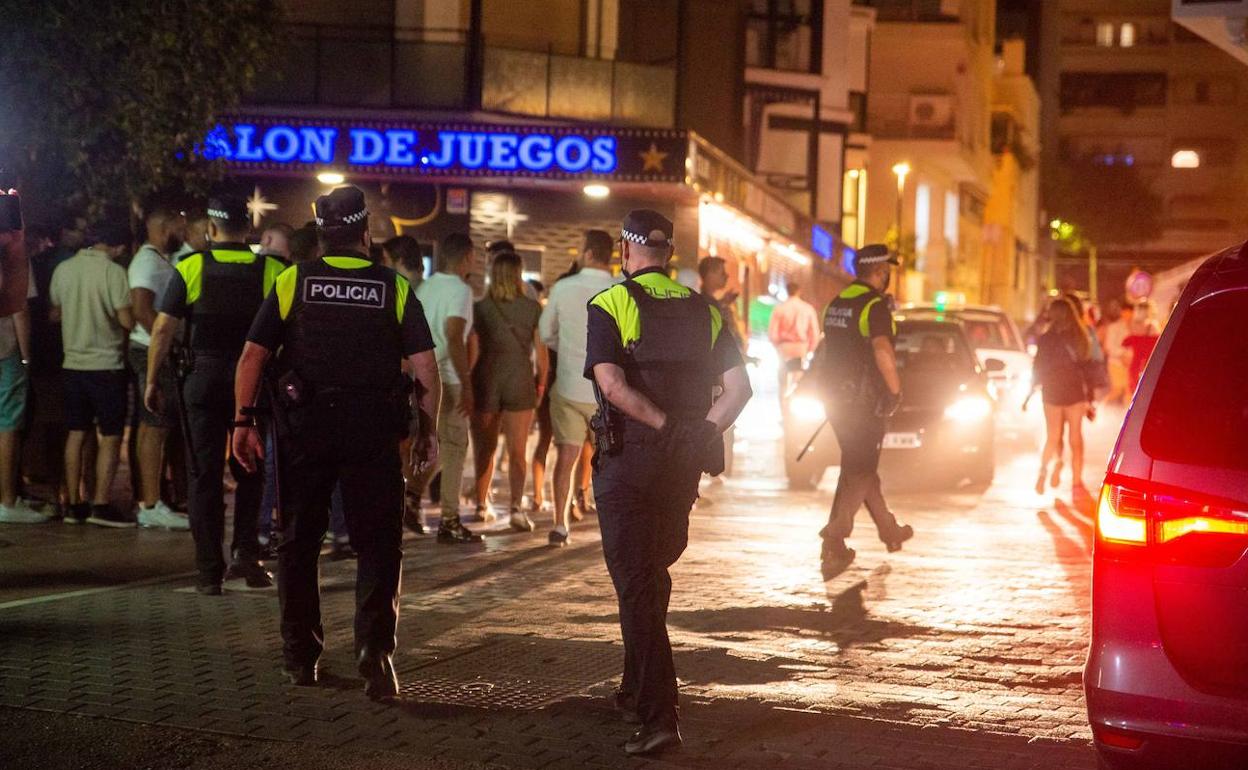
(652, 159)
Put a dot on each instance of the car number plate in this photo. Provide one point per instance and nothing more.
(901, 441)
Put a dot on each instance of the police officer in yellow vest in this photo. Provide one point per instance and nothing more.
(342, 328)
(217, 292)
(656, 351)
(857, 373)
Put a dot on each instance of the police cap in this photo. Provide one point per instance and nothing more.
(10, 211)
(874, 254)
(342, 207)
(647, 228)
(229, 207)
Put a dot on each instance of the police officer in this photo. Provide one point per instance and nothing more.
(217, 292)
(858, 376)
(343, 328)
(655, 352)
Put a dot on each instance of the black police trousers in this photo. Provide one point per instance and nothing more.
(860, 433)
(209, 398)
(348, 439)
(644, 498)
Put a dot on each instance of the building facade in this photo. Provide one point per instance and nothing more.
(1124, 86)
(929, 114)
(530, 121)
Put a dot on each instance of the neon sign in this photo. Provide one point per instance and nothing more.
(422, 149)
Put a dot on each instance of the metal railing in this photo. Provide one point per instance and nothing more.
(398, 68)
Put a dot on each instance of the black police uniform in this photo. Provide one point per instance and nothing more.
(857, 404)
(671, 345)
(343, 325)
(218, 293)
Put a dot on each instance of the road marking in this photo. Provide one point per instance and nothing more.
(90, 591)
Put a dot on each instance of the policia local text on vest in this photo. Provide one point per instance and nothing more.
(342, 327)
(856, 370)
(655, 351)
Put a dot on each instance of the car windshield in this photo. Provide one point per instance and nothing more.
(931, 349)
(991, 333)
(1199, 412)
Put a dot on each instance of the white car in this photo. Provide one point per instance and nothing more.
(994, 336)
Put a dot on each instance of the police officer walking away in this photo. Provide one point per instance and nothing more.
(858, 377)
(655, 352)
(217, 292)
(342, 327)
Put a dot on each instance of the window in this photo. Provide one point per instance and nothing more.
(780, 35)
(1126, 91)
(854, 192)
(922, 218)
(1105, 34)
(952, 207)
(1126, 35)
(1199, 412)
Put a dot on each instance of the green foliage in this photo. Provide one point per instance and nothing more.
(1108, 204)
(104, 101)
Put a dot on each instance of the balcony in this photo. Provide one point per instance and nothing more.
(395, 68)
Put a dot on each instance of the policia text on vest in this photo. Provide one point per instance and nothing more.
(655, 351)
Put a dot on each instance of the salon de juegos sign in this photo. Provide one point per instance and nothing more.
(449, 149)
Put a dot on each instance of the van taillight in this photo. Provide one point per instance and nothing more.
(1121, 516)
(1176, 528)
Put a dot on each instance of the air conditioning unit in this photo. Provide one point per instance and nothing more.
(931, 113)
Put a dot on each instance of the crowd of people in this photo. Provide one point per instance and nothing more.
(510, 354)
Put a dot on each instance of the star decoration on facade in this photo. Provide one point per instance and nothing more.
(512, 217)
(652, 159)
(258, 206)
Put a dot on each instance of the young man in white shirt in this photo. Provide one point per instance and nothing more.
(572, 404)
(447, 300)
(148, 276)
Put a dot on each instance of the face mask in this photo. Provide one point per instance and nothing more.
(888, 279)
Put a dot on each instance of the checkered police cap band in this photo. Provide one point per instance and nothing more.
(219, 214)
(349, 219)
(875, 259)
(658, 236)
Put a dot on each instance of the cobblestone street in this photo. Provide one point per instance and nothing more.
(964, 650)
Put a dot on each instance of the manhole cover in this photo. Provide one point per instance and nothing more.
(514, 673)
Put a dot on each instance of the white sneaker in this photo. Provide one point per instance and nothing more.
(20, 513)
(520, 521)
(157, 517)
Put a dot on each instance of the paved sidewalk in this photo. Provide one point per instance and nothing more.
(963, 651)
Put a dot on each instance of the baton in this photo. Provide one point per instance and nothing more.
(277, 456)
(811, 443)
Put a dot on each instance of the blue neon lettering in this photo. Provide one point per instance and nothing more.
(399, 147)
(503, 151)
(318, 144)
(281, 144)
(244, 132)
(446, 151)
(367, 146)
(604, 155)
(471, 150)
(536, 153)
(564, 157)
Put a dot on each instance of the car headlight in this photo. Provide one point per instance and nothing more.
(807, 409)
(969, 409)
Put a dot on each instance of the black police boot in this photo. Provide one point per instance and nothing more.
(380, 681)
(898, 536)
(836, 557)
(302, 676)
(453, 531)
(413, 518)
(251, 571)
(652, 740)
